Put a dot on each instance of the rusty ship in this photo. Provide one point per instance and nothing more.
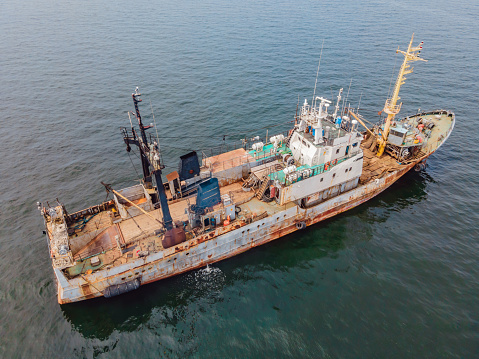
(219, 205)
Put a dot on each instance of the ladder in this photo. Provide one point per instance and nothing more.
(264, 186)
(286, 142)
(250, 182)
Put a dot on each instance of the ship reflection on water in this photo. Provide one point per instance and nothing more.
(177, 300)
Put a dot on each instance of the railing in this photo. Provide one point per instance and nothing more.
(314, 171)
(389, 107)
(240, 160)
(223, 148)
(230, 146)
(233, 162)
(72, 217)
(91, 253)
(274, 168)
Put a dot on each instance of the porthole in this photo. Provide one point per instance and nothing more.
(187, 253)
(321, 180)
(123, 278)
(337, 151)
(350, 168)
(346, 170)
(334, 175)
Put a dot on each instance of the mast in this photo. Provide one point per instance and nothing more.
(150, 161)
(337, 104)
(391, 107)
(143, 148)
(317, 73)
(136, 98)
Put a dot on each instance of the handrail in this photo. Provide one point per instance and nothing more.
(319, 169)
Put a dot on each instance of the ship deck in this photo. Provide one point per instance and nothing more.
(376, 167)
(116, 241)
(227, 160)
(137, 234)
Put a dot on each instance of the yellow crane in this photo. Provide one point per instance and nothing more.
(391, 107)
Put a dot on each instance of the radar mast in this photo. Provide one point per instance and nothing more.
(391, 107)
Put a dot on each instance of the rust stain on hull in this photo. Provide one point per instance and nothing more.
(153, 271)
(87, 292)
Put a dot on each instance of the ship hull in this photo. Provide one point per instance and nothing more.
(223, 243)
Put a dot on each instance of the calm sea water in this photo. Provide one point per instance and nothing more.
(394, 278)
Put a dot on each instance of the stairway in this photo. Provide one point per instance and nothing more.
(286, 142)
(264, 186)
(250, 181)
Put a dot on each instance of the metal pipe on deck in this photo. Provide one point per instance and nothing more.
(108, 187)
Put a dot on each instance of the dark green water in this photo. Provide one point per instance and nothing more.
(394, 278)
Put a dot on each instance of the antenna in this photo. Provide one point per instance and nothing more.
(154, 121)
(296, 117)
(317, 73)
(342, 108)
(360, 100)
